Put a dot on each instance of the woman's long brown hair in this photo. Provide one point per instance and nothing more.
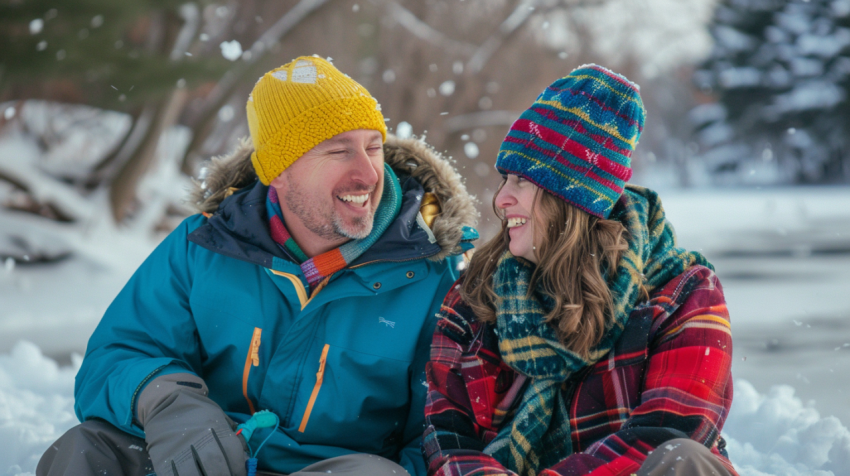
(574, 251)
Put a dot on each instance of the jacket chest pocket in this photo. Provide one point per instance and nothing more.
(345, 394)
(621, 388)
(613, 385)
(489, 388)
(604, 399)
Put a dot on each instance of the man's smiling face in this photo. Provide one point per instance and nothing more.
(330, 194)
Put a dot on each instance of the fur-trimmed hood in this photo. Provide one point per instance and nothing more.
(412, 158)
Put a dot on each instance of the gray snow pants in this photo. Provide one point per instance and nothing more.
(96, 448)
(682, 457)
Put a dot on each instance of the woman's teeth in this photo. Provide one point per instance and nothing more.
(512, 222)
(357, 199)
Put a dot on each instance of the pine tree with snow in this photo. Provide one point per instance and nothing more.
(780, 72)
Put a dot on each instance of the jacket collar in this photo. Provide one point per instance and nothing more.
(237, 226)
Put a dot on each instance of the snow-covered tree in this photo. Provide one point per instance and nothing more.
(780, 71)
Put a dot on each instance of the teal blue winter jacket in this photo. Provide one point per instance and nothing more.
(343, 368)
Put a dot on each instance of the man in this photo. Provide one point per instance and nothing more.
(310, 292)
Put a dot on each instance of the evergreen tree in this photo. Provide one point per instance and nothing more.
(780, 71)
(95, 51)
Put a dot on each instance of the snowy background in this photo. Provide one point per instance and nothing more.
(102, 130)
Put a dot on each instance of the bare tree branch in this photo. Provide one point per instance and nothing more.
(106, 170)
(44, 188)
(191, 21)
(480, 119)
(425, 32)
(516, 19)
(123, 189)
(286, 23)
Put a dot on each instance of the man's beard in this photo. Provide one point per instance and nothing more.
(324, 221)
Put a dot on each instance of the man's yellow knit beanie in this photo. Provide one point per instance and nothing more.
(304, 102)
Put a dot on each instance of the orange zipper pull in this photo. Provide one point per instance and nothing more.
(320, 375)
(252, 359)
(255, 349)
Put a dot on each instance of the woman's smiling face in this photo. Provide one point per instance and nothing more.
(516, 201)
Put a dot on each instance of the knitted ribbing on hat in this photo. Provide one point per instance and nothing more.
(576, 140)
(538, 436)
(304, 102)
(319, 267)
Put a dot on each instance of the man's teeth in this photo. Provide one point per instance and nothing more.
(358, 199)
(512, 222)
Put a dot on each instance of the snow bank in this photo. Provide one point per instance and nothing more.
(36, 406)
(773, 434)
(777, 434)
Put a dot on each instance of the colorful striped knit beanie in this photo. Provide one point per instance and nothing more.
(577, 139)
(304, 102)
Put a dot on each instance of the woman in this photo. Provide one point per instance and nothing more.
(581, 340)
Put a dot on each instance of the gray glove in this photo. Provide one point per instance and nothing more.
(187, 433)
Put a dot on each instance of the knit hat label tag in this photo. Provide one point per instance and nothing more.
(304, 72)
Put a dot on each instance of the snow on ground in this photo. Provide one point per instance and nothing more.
(777, 434)
(767, 434)
(57, 304)
(36, 406)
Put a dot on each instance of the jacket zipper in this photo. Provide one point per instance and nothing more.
(300, 290)
(252, 360)
(319, 377)
(297, 284)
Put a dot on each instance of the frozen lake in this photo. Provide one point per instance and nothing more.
(791, 325)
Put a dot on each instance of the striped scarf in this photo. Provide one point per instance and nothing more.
(539, 434)
(319, 267)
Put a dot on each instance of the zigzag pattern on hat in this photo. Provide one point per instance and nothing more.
(576, 140)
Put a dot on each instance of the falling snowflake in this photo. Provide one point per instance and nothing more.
(231, 50)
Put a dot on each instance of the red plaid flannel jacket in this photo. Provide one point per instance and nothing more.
(667, 377)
